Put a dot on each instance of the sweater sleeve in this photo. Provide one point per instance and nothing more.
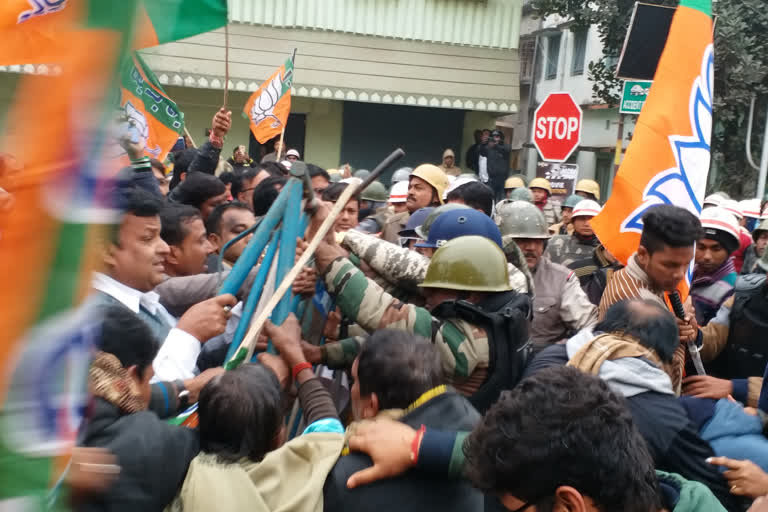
(206, 160)
(316, 402)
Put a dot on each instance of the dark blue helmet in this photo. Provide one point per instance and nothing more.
(465, 222)
(416, 219)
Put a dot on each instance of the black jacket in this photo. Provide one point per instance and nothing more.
(153, 457)
(672, 437)
(413, 491)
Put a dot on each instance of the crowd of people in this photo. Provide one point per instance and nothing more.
(463, 341)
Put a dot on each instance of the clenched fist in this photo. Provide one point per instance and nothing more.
(209, 318)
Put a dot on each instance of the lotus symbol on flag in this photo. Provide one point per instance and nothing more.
(264, 106)
(684, 185)
(41, 8)
(140, 122)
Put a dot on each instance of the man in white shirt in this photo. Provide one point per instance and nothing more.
(134, 265)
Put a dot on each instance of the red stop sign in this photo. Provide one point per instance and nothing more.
(557, 127)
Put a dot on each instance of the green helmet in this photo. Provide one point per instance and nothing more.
(521, 194)
(423, 230)
(335, 177)
(572, 201)
(361, 174)
(469, 263)
(520, 219)
(375, 192)
(402, 174)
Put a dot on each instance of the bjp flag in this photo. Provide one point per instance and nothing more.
(667, 161)
(143, 100)
(267, 109)
(38, 31)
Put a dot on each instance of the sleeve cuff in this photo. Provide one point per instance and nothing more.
(740, 390)
(177, 357)
(441, 452)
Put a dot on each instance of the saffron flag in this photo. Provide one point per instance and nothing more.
(667, 161)
(36, 31)
(143, 100)
(48, 248)
(268, 108)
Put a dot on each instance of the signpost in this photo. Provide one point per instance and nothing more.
(562, 178)
(633, 96)
(557, 127)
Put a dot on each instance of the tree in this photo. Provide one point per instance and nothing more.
(741, 71)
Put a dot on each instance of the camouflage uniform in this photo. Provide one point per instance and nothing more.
(463, 347)
(406, 269)
(565, 249)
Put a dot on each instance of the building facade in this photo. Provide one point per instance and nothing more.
(554, 58)
(369, 76)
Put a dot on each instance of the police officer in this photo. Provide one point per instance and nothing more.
(374, 212)
(755, 252)
(426, 186)
(477, 322)
(397, 196)
(564, 227)
(406, 269)
(542, 191)
(512, 183)
(402, 174)
(733, 343)
(588, 189)
(565, 249)
(560, 306)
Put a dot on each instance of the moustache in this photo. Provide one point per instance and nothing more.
(529, 254)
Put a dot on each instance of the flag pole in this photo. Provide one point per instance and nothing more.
(186, 132)
(226, 63)
(282, 132)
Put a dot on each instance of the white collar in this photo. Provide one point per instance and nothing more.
(132, 299)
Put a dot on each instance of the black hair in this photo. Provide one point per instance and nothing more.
(475, 195)
(239, 184)
(645, 320)
(213, 222)
(181, 162)
(197, 188)
(173, 217)
(134, 200)
(669, 226)
(240, 413)
(265, 194)
(562, 427)
(334, 191)
(127, 337)
(316, 170)
(228, 177)
(399, 367)
(274, 168)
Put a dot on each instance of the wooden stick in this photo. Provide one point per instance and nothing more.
(186, 132)
(226, 64)
(255, 329)
(280, 145)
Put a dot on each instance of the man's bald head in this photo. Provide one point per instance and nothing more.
(645, 320)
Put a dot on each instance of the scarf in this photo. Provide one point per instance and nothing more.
(108, 379)
(701, 279)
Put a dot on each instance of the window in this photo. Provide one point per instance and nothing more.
(527, 49)
(553, 55)
(579, 52)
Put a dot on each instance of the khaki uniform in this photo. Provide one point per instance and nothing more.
(393, 225)
(552, 213)
(560, 307)
(565, 249)
(559, 229)
(405, 268)
(463, 347)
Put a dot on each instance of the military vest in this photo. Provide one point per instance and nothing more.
(746, 353)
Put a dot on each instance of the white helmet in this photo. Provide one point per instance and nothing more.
(733, 206)
(750, 208)
(715, 199)
(456, 182)
(716, 218)
(586, 208)
(399, 192)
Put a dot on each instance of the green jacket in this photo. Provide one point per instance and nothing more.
(681, 495)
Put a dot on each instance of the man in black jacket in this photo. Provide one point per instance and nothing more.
(497, 154)
(672, 438)
(399, 375)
